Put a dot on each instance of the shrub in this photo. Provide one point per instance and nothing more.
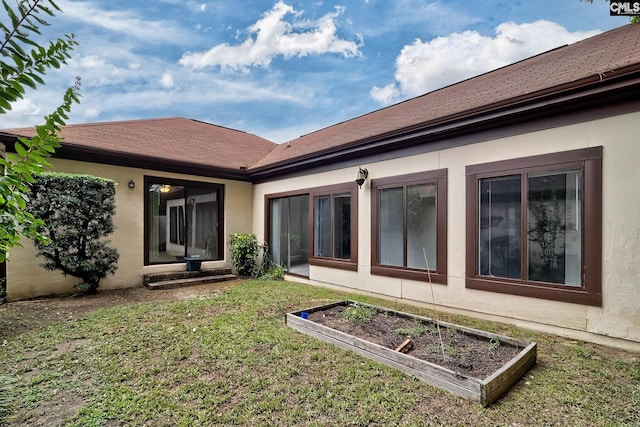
(244, 249)
(77, 211)
(247, 261)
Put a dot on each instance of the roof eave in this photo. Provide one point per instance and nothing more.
(70, 151)
(115, 158)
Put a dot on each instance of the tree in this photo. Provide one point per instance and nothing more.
(77, 211)
(23, 64)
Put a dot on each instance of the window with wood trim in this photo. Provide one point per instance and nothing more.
(183, 218)
(409, 226)
(534, 226)
(335, 230)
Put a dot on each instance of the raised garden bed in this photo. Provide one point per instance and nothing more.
(468, 362)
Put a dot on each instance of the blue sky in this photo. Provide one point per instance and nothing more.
(281, 69)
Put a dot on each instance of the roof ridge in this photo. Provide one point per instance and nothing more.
(119, 122)
(227, 128)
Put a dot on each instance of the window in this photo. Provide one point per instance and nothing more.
(409, 226)
(335, 240)
(182, 219)
(534, 226)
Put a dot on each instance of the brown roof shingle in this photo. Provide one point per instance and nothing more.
(177, 139)
(600, 56)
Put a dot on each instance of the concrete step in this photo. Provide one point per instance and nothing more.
(176, 275)
(190, 281)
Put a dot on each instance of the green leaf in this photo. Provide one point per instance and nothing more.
(38, 79)
(20, 149)
(15, 21)
(4, 103)
(27, 40)
(26, 142)
(17, 86)
(27, 81)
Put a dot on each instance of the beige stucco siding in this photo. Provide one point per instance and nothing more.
(26, 279)
(619, 316)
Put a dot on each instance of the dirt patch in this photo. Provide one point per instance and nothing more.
(62, 406)
(447, 347)
(21, 316)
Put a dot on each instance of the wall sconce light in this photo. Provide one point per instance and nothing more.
(132, 184)
(362, 176)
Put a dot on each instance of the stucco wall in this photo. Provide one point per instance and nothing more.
(26, 279)
(617, 322)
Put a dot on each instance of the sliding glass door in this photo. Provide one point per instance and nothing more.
(289, 233)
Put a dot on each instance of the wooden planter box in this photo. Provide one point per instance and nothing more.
(483, 390)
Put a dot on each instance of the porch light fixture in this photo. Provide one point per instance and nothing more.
(132, 184)
(362, 176)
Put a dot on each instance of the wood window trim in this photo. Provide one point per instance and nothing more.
(434, 275)
(349, 265)
(331, 190)
(590, 162)
(151, 179)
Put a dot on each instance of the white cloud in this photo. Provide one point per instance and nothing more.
(272, 36)
(24, 112)
(91, 113)
(284, 134)
(425, 66)
(187, 97)
(100, 71)
(123, 21)
(385, 95)
(167, 80)
(436, 17)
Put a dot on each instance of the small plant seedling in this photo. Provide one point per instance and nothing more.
(358, 313)
(495, 343)
(415, 331)
(450, 350)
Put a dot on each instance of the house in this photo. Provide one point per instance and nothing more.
(511, 196)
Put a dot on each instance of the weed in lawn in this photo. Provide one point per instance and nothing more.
(585, 353)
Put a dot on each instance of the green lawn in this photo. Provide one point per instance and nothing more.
(229, 359)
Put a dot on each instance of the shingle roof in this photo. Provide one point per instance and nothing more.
(598, 57)
(176, 139)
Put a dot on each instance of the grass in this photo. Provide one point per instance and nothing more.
(229, 359)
